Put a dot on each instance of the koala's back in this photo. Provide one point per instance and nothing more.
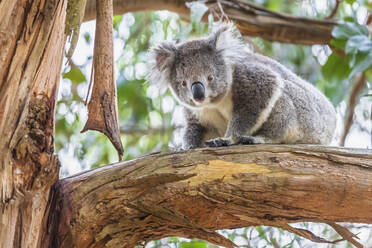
(302, 114)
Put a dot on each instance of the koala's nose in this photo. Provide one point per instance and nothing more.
(198, 91)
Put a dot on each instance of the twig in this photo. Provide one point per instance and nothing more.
(353, 100)
(334, 10)
(250, 8)
(223, 17)
(346, 234)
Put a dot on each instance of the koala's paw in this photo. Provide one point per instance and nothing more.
(218, 142)
(249, 140)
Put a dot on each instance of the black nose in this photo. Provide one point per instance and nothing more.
(198, 91)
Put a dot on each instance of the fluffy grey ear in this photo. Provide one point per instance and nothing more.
(160, 59)
(226, 40)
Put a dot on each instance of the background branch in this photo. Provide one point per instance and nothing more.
(334, 10)
(353, 101)
(251, 20)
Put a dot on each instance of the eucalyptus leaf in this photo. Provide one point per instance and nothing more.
(358, 42)
(336, 68)
(117, 19)
(349, 29)
(87, 38)
(362, 63)
(75, 75)
(193, 244)
(338, 43)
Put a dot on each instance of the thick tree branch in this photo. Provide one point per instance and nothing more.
(250, 19)
(194, 193)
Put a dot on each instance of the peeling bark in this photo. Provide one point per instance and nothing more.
(32, 39)
(192, 194)
(251, 20)
(102, 109)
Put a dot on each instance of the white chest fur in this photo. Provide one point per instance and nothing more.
(216, 116)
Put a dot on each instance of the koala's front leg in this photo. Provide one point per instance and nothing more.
(239, 131)
(255, 91)
(235, 134)
(193, 136)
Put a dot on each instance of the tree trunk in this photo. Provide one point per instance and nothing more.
(31, 51)
(194, 193)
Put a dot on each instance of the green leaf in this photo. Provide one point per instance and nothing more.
(352, 59)
(349, 19)
(193, 244)
(362, 63)
(338, 43)
(75, 75)
(358, 42)
(87, 38)
(349, 29)
(197, 10)
(335, 69)
(350, 1)
(276, 5)
(117, 20)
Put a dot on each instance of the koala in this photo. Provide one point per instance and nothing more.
(231, 95)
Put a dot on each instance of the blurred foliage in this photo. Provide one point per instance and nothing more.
(147, 117)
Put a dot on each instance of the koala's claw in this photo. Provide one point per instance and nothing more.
(188, 147)
(217, 142)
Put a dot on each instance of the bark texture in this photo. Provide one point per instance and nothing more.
(250, 19)
(31, 40)
(103, 109)
(194, 193)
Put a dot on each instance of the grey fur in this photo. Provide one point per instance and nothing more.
(249, 99)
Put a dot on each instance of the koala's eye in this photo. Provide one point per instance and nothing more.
(184, 83)
(210, 78)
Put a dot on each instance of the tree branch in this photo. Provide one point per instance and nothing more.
(353, 101)
(334, 10)
(193, 193)
(251, 20)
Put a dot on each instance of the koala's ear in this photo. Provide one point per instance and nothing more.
(227, 40)
(225, 36)
(160, 60)
(162, 55)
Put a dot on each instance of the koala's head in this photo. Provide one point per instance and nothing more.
(198, 72)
